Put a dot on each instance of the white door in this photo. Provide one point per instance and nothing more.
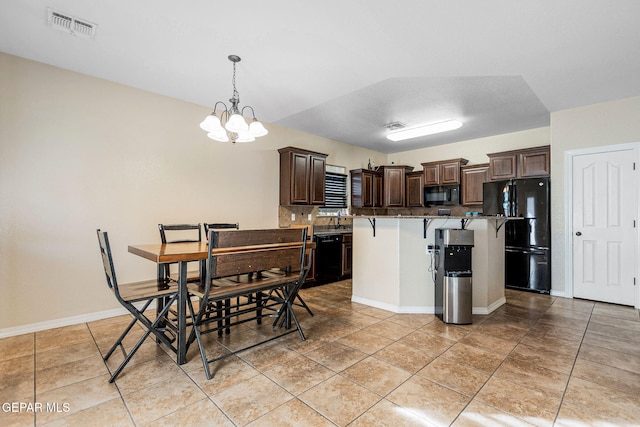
(604, 235)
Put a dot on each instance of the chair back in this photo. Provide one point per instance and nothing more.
(219, 226)
(261, 250)
(107, 260)
(180, 233)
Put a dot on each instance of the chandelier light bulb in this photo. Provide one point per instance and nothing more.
(245, 137)
(211, 123)
(257, 129)
(220, 135)
(237, 124)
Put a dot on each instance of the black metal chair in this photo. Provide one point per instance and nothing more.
(131, 296)
(181, 233)
(219, 226)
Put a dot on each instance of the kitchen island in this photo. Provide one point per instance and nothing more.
(393, 269)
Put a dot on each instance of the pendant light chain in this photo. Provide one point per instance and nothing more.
(235, 99)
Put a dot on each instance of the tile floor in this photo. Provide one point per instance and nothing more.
(538, 360)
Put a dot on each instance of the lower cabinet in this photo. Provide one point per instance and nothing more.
(347, 255)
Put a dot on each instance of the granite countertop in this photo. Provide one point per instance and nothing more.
(332, 230)
(433, 216)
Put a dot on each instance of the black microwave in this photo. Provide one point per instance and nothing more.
(442, 195)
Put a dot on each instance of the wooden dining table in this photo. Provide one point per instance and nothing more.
(181, 253)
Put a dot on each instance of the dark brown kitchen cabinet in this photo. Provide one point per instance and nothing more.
(472, 178)
(394, 185)
(347, 255)
(525, 163)
(415, 189)
(443, 172)
(302, 176)
(366, 188)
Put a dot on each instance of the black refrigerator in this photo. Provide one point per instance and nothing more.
(527, 240)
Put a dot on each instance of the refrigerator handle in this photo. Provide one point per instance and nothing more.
(513, 195)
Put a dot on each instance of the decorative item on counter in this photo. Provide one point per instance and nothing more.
(369, 165)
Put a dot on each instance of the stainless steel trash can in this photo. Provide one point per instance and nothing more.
(457, 296)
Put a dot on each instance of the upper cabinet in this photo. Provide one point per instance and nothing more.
(472, 178)
(393, 181)
(444, 172)
(414, 189)
(525, 163)
(302, 176)
(366, 188)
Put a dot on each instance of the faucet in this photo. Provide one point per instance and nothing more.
(338, 225)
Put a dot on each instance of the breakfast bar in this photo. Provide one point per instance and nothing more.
(394, 270)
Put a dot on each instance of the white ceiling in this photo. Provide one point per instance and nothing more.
(344, 68)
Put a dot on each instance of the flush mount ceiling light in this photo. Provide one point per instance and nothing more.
(424, 130)
(229, 125)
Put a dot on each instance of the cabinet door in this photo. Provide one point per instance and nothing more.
(431, 174)
(377, 190)
(534, 163)
(414, 189)
(450, 173)
(472, 179)
(393, 182)
(367, 189)
(347, 256)
(316, 179)
(503, 167)
(300, 178)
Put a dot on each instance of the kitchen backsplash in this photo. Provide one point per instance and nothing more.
(302, 214)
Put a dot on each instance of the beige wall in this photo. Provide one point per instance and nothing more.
(79, 153)
(610, 123)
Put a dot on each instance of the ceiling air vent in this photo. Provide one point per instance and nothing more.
(394, 126)
(71, 25)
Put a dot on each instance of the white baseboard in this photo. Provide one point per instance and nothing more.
(423, 309)
(376, 304)
(561, 294)
(488, 310)
(58, 323)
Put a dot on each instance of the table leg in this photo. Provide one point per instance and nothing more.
(183, 294)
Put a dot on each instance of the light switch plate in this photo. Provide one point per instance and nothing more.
(293, 217)
(309, 217)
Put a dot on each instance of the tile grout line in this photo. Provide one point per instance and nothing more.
(124, 402)
(496, 369)
(555, 420)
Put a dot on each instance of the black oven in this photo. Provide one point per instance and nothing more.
(442, 195)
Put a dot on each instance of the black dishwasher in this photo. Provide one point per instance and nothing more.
(328, 258)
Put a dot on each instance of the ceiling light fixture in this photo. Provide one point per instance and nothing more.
(230, 124)
(424, 130)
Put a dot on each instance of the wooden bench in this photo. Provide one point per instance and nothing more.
(265, 266)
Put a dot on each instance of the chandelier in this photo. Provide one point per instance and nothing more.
(230, 125)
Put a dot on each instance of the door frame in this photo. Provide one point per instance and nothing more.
(568, 203)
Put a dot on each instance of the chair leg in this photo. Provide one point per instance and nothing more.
(151, 327)
(304, 304)
(118, 342)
